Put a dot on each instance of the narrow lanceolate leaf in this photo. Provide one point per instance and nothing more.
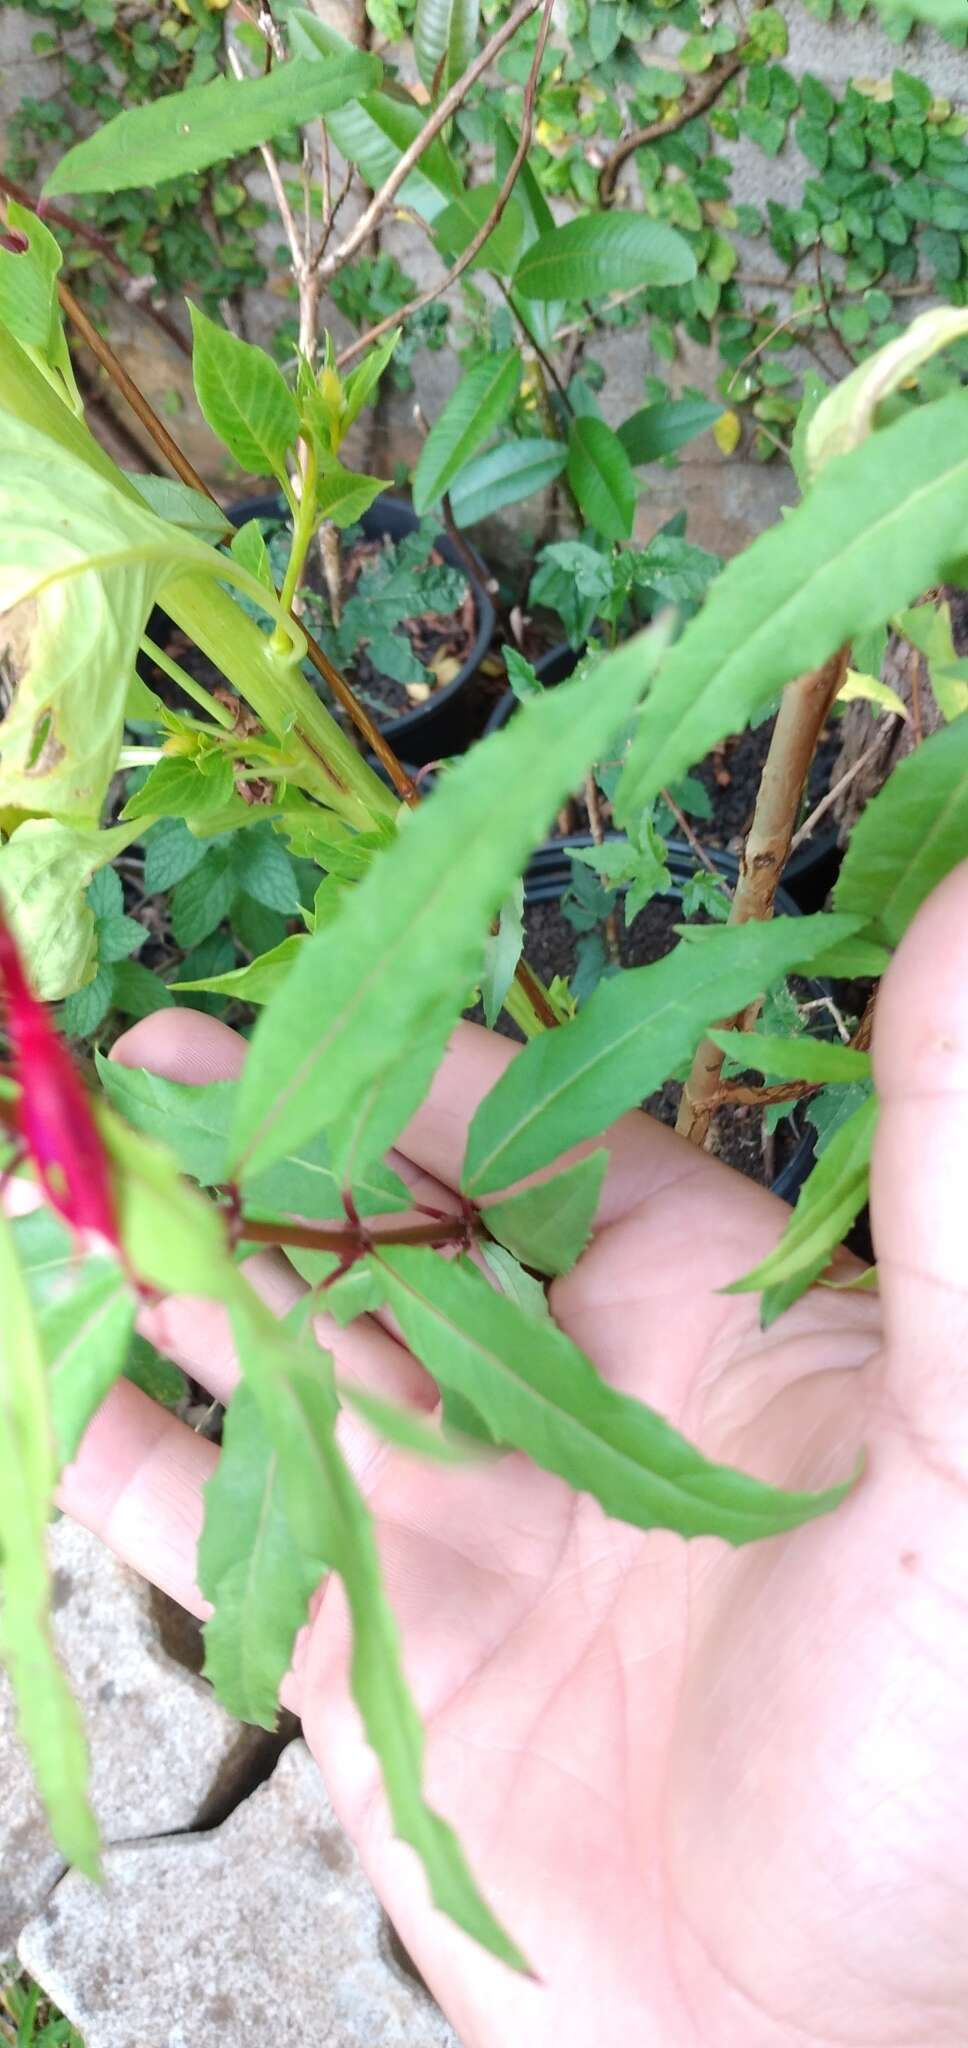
(187, 131)
(660, 429)
(910, 835)
(373, 132)
(603, 252)
(258, 979)
(244, 397)
(794, 1059)
(330, 1522)
(50, 1725)
(405, 1428)
(600, 475)
(352, 1038)
(881, 523)
(826, 1207)
(548, 1226)
(503, 475)
(444, 39)
(251, 1569)
(479, 404)
(194, 1121)
(636, 1029)
(537, 1391)
(84, 1311)
(181, 505)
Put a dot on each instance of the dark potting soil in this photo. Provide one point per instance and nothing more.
(442, 641)
(550, 947)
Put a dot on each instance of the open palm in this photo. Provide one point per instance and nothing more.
(719, 1798)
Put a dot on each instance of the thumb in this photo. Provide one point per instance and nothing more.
(919, 1185)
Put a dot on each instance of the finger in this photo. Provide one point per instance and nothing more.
(137, 1483)
(919, 1192)
(644, 1155)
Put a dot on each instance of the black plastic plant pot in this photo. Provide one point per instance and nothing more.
(547, 878)
(440, 726)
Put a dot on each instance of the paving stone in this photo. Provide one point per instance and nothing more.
(163, 1751)
(263, 1929)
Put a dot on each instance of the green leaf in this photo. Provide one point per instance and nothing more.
(660, 429)
(537, 1391)
(519, 1285)
(482, 399)
(549, 1225)
(45, 869)
(826, 1207)
(910, 835)
(249, 548)
(636, 1029)
(330, 1521)
(244, 397)
(29, 306)
(188, 131)
(250, 1568)
(257, 982)
(849, 961)
(343, 495)
(460, 221)
(137, 992)
(173, 1236)
(793, 1059)
(145, 1367)
(948, 16)
(49, 1723)
(171, 852)
(85, 1332)
(603, 252)
(194, 1120)
(373, 995)
(179, 787)
(503, 951)
(444, 39)
(182, 506)
(600, 475)
(264, 869)
(373, 132)
(832, 1106)
(503, 475)
(880, 525)
(204, 898)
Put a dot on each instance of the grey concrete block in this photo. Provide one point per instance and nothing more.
(263, 1930)
(162, 1748)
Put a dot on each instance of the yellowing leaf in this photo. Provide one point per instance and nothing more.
(847, 416)
(857, 685)
(726, 432)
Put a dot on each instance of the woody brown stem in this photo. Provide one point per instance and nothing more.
(693, 102)
(355, 1240)
(803, 709)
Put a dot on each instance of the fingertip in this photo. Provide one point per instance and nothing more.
(921, 1021)
(182, 1045)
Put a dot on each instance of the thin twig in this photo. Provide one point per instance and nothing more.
(704, 94)
(451, 102)
(450, 1230)
(832, 330)
(827, 801)
(689, 835)
(487, 227)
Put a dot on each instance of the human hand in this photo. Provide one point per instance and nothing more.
(718, 1797)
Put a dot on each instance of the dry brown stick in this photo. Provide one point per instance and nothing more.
(133, 287)
(803, 709)
(426, 298)
(702, 95)
(451, 102)
(689, 835)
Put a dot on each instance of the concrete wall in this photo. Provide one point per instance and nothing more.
(727, 499)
